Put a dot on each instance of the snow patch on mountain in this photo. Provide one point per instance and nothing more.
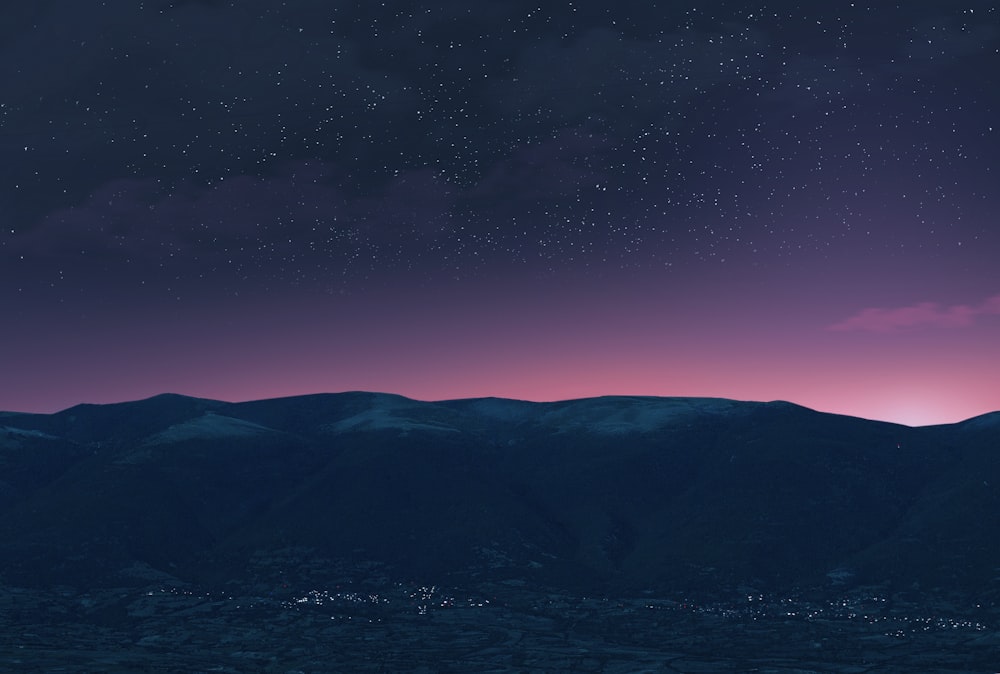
(386, 418)
(25, 432)
(615, 415)
(504, 409)
(208, 426)
(12, 438)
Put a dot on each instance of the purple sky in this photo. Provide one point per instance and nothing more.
(239, 201)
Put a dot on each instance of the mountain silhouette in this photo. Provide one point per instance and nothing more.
(629, 493)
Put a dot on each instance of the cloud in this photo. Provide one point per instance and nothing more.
(922, 314)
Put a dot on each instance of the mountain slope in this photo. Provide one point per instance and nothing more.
(624, 492)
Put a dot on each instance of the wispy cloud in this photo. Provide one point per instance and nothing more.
(922, 314)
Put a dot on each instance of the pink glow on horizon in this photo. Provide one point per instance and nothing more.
(545, 347)
(901, 403)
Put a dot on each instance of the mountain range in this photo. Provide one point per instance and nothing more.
(627, 494)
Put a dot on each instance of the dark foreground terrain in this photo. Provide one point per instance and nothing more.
(368, 532)
(372, 625)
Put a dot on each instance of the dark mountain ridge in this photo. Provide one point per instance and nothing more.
(630, 493)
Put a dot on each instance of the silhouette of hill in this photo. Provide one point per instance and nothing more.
(625, 493)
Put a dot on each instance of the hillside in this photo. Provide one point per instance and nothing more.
(625, 494)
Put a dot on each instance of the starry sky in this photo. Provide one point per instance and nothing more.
(539, 200)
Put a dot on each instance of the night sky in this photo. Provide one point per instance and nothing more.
(539, 200)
